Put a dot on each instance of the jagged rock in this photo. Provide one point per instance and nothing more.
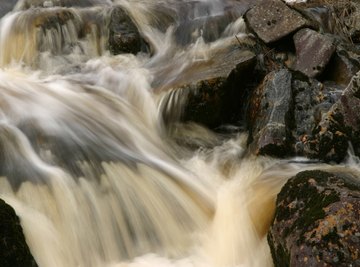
(269, 111)
(317, 221)
(124, 36)
(14, 252)
(313, 52)
(339, 126)
(272, 20)
(312, 100)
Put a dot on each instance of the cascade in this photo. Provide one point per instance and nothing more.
(94, 158)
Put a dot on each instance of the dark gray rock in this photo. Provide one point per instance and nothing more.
(344, 64)
(317, 221)
(124, 36)
(312, 100)
(269, 111)
(339, 127)
(6, 7)
(272, 20)
(210, 28)
(313, 52)
(212, 91)
(14, 252)
(218, 96)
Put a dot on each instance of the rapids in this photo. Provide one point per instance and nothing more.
(95, 174)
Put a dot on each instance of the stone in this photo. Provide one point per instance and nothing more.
(317, 220)
(313, 52)
(268, 114)
(6, 7)
(272, 20)
(344, 64)
(14, 252)
(339, 127)
(210, 28)
(124, 36)
(212, 90)
(312, 100)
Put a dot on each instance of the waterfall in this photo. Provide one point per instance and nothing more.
(92, 151)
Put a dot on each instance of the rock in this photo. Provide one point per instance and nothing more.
(344, 64)
(124, 36)
(313, 52)
(212, 91)
(272, 20)
(209, 28)
(317, 221)
(269, 111)
(312, 100)
(26, 4)
(14, 251)
(340, 126)
(218, 96)
(6, 7)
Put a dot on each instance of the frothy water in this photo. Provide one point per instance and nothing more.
(94, 159)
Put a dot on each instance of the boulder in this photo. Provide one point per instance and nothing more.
(344, 64)
(317, 221)
(218, 95)
(210, 28)
(312, 100)
(339, 127)
(269, 112)
(212, 91)
(272, 20)
(6, 7)
(14, 252)
(313, 52)
(124, 36)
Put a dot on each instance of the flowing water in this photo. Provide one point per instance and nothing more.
(87, 161)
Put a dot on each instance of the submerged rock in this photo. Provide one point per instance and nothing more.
(14, 252)
(272, 20)
(313, 52)
(269, 112)
(317, 221)
(124, 36)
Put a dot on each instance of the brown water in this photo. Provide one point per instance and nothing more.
(95, 175)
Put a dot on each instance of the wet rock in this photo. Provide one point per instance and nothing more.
(6, 7)
(269, 111)
(26, 4)
(210, 28)
(340, 126)
(14, 252)
(218, 95)
(312, 100)
(344, 64)
(313, 52)
(317, 221)
(124, 36)
(272, 20)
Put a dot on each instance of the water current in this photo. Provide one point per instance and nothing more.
(96, 176)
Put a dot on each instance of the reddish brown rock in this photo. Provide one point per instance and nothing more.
(313, 52)
(272, 20)
(317, 221)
